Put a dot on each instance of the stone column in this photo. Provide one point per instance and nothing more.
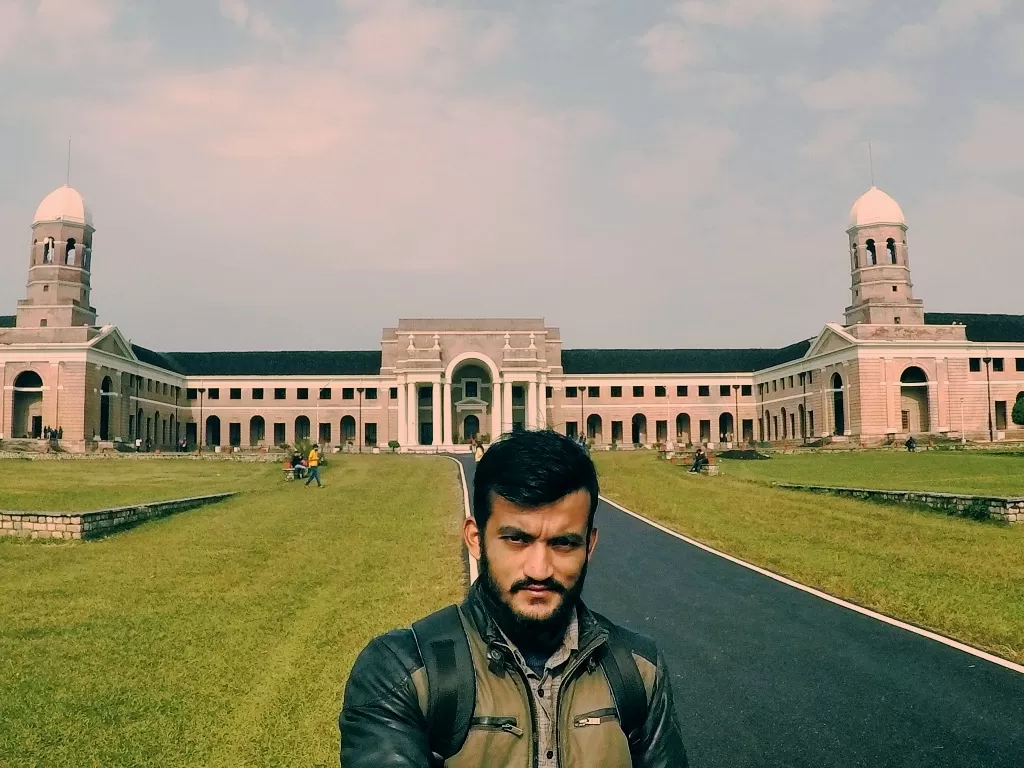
(933, 408)
(506, 402)
(435, 403)
(531, 405)
(403, 415)
(414, 414)
(446, 415)
(542, 403)
(495, 409)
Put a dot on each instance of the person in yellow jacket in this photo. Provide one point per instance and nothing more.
(314, 467)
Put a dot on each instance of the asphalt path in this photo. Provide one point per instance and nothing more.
(767, 675)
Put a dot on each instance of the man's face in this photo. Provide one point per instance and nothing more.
(534, 560)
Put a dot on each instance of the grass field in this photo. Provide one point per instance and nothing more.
(961, 578)
(951, 471)
(219, 637)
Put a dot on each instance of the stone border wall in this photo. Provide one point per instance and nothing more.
(1009, 510)
(94, 525)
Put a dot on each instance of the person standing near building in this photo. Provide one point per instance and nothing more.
(314, 467)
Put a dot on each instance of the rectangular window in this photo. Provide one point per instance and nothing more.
(325, 393)
(235, 434)
(214, 393)
(235, 393)
(747, 390)
(280, 393)
(470, 389)
(549, 392)
(1000, 415)
(810, 421)
(810, 377)
(638, 391)
(705, 430)
(370, 434)
(572, 429)
(393, 393)
(279, 433)
(723, 390)
(593, 391)
(191, 393)
(1020, 364)
(775, 385)
(302, 393)
(974, 364)
(660, 392)
(325, 433)
(682, 391)
(257, 393)
(616, 391)
(790, 382)
(370, 394)
(704, 390)
(997, 364)
(616, 431)
(348, 393)
(571, 392)
(905, 420)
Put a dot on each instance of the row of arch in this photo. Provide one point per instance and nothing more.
(640, 429)
(258, 430)
(70, 255)
(871, 253)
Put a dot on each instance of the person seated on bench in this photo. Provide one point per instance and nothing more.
(700, 460)
(298, 466)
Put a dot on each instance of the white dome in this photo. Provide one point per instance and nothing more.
(63, 204)
(875, 207)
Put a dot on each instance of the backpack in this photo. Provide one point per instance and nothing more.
(451, 681)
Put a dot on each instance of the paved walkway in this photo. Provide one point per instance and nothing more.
(767, 675)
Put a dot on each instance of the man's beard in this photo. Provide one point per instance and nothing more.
(527, 631)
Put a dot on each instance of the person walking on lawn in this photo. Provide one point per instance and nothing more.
(522, 674)
(314, 467)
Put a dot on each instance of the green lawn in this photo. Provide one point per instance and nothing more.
(221, 636)
(950, 471)
(961, 578)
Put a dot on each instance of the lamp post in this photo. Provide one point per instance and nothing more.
(583, 424)
(963, 437)
(202, 424)
(359, 436)
(988, 403)
(803, 421)
(736, 424)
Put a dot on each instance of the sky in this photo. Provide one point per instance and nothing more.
(270, 175)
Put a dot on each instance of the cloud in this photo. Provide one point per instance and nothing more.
(744, 13)
(953, 21)
(859, 90)
(13, 22)
(670, 49)
(253, 21)
(992, 147)
(1012, 48)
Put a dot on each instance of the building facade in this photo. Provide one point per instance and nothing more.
(889, 371)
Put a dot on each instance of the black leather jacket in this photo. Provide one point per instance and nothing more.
(383, 725)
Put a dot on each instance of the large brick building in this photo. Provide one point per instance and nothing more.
(890, 370)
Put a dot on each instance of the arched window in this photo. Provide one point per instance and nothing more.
(69, 252)
(48, 247)
(890, 246)
(301, 428)
(853, 256)
(872, 255)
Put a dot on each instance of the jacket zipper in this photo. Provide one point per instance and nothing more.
(566, 679)
(596, 717)
(506, 724)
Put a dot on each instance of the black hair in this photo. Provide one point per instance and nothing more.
(533, 468)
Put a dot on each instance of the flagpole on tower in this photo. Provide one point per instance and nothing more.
(67, 180)
(871, 162)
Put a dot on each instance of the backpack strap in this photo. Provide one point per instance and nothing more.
(626, 685)
(451, 679)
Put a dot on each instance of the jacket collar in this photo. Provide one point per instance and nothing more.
(476, 608)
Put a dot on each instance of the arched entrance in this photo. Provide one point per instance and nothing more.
(595, 428)
(639, 429)
(803, 421)
(212, 431)
(105, 394)
(785, 424)
(683, 429)
(473, 399)
(914, 415)
(28, 405)
(257, 430)
(301, 428)
(156, 428)
(838, 406)
(470, 427)
(348, 430)
(725, 427)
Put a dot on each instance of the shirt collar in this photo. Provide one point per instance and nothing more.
(570, 643)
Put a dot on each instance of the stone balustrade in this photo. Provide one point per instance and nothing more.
(94, 525)
(1009, 510)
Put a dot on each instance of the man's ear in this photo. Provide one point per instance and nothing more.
(592, 543)
(471, 535)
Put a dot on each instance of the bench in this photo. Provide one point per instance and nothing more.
(289, 473)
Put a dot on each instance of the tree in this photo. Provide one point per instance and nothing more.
(1018, 411)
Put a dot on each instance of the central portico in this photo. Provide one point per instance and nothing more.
(458, 379)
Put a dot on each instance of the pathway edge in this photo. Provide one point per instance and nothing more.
(473, 565)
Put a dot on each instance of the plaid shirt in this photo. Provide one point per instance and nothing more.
(544, 691)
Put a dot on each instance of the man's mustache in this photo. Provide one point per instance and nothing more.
(549, 584)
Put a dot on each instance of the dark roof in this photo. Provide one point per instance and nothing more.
(625, 361)
(8, 321)
(357, 363)
(990, 328)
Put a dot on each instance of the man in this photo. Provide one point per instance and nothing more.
(542, 664)
(314, 467)
(700, 460)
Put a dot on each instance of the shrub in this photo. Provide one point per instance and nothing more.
(1018, 412)
(394, 445)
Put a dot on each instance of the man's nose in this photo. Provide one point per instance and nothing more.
(538, 566)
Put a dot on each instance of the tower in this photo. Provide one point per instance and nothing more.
(882, 292)
(60, 264)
